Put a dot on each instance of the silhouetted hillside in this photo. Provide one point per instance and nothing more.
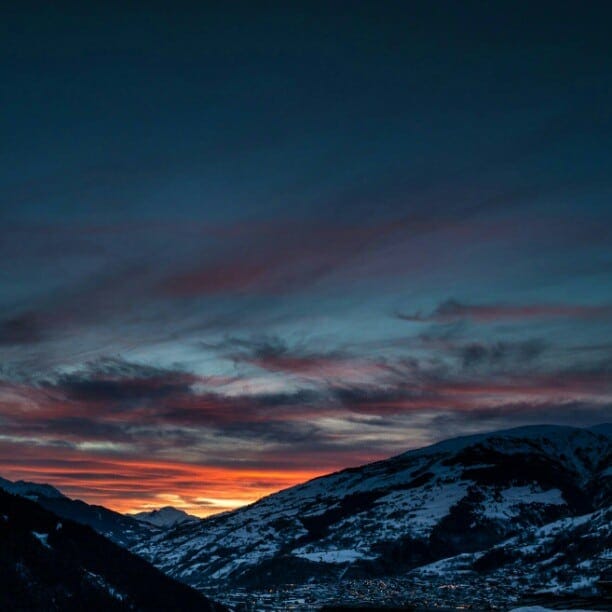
(121, 529)
(50, 563)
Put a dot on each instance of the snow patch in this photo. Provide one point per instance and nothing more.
(514, 497)
(333, 556)
(42, 538)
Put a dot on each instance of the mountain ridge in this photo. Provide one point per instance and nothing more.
(49, 563)
(498, 512)
(603, 429)
(121, 529)
(458, 496)
(168, 516)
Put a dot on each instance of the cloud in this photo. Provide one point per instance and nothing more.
(114, 380)
(291, 255)
(25, 328)
(113, 426)
(453, 310)
(500, 354)
(271, 258)
(273, 355)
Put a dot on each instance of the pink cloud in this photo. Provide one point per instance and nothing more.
(452, 310)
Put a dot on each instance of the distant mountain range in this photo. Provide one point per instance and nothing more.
(53, 564)
(124, 529)
(482, 520)
(165, 517)
(121, 529)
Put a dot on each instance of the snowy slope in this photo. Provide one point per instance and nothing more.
(564, 558)
(461, 496)
(165, 517)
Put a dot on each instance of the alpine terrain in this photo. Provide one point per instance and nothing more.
(121, 529)
(165, 517)
(485, 520)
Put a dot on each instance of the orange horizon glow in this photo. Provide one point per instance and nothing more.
(135, 486)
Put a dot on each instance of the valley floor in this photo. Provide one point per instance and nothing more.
(402, 593)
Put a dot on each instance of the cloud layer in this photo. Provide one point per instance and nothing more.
(246, 247)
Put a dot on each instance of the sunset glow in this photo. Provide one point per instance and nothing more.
(138, 486)
(241, 249)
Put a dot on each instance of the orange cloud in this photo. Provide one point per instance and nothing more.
(133, 486)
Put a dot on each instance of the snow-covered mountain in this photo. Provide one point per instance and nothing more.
(165, 517)
(482, 520)
(564, 558)
(491, 501)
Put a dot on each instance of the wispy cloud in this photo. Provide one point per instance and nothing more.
(25, 328)
(453, 310)
(130, 420)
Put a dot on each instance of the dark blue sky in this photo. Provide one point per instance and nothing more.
(255, 243)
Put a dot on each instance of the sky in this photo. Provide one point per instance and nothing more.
(247, 244)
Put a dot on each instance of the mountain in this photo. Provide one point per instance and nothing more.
(31, 490)
(498, 503)
(121, 529)
(49, 563)
(563, 561)
(165, 517)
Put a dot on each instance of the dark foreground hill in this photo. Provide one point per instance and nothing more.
(121, 529)
(51, 563)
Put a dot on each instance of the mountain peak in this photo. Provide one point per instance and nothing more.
(526, 432)
(168, 516)
(462, 496)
